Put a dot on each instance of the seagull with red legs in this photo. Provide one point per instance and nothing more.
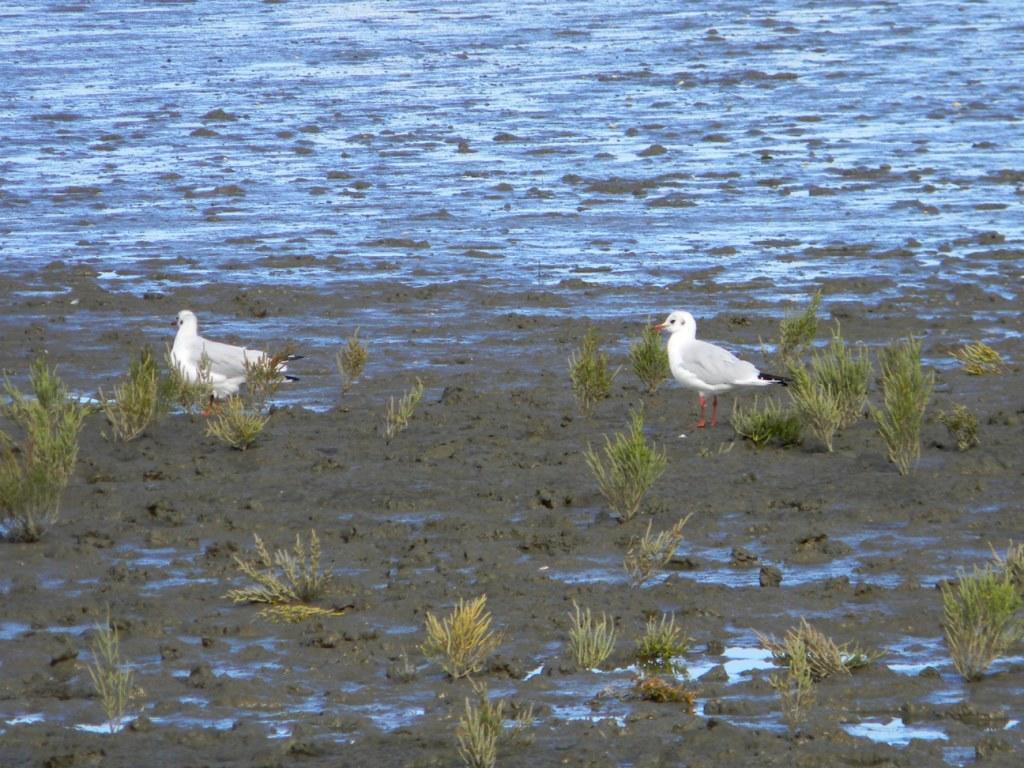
(707, 368)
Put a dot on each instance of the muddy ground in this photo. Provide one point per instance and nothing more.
(487, 492)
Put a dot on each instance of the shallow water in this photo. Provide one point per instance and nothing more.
(533, 145)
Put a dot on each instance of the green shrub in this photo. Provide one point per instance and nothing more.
(796, 688)
(796, 332)
(461, 642)
(35, 471)
(979, 618)
(630, 467)
(821, 654)
(112, 679)
(138, 401)
(652, 551)
(235, 424)
(661, 643)
(351, 360)
(589, 373)
(478, 731)
(760, 425)
(650, 359)
(980, 359)
(591, 640)
(962, 426)
(906, 390)
(193, 396)
(399, 413)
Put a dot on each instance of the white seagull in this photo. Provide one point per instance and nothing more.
(706, 367)
(227, 362)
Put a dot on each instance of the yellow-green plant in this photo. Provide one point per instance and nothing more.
(979, 618)
(137, 401)
(478, 731)
(962, 426)
(35, 471)
(111, 677)
(463, 640)
(1012, 564)
(661, 643)
(648, 553)
(796, 332)
(650, 359)
(762, 424)
(399, 413)
(979, 359)
(351, 360)
(664, 691)
(236, 424)
(591, 640)
(629, 468)
(285, 580)
(796, 687)
(263, 377)
(823, 657)
(906, 390)
(589, 373)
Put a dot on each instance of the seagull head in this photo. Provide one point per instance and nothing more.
(678, 321)
(187, 318)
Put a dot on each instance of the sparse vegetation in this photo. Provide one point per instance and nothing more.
(962, 426)
(797, 331)
(816, 406)
(589, 372)
(478, 731)
(35, 471)
(760, 425)
(263, 378)
(650, 359)
(236, 424)
(821, 654)
(1012, 564)
(979, 618)
(980, 359)
(351, 360)
(630, 467)
(661, 643)
(111, 677)
(906, 390)
(193, 396)
(591, 640)
(285, 582)
(796, 687)
(663, 691)
(137, 401)
(400, 412)
(651, 552)
(463, 640)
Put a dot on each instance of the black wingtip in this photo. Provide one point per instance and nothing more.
(772, 377)
(290, 378)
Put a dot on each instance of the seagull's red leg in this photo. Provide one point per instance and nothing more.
(714, 411)
(703, 402)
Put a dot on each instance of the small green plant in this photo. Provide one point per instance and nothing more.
(650, 359)
(962, 426)
(797, 331)
(138, 401)
(651, 552)
(351, 360)
(821, 654)
(796, 688)
(980, 359)
(661, 643)
(478, 731)
(285, 582)
(112, 679)
(663, 691)
(235, 424)
(591, 640)
(760, 425)
(629, 468)
(400, 412)
(192, 395)
(35, 471)
(906, 390)
(263, 378)
(979, 618)
(463, 640)
(589, 373)
(1012, 564)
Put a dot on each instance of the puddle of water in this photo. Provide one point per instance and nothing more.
(895, 732)
(9, 630)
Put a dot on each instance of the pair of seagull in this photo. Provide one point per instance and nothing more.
(695, 364)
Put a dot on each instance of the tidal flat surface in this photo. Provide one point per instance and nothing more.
(471, 186)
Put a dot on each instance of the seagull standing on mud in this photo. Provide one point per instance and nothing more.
(227, 363)
(705, 367)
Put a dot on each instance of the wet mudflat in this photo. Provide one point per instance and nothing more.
(472, 186)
